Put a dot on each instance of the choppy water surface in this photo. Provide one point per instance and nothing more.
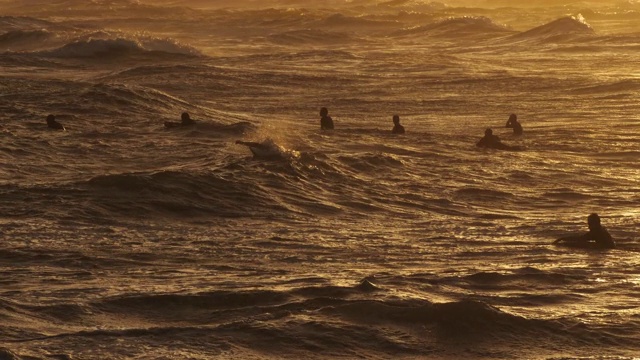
(121, 239)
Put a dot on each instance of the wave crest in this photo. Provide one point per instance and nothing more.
(371, 162)
(561, 29)
(116, 99)
(629, 87)
(174, 193)
(157, 304)
(310, 36)
(18, 40)
(22, 22)
(341, 20)
(414, 5)
(121, 46)
(458, 27)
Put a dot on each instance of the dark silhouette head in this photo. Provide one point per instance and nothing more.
(594, 221)
(488, 132)
(513, 117)
(51, 119)
(396, 119)
(185, 117)
(324, 112)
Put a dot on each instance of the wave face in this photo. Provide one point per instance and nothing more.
(561, 29)
(24, 23)
(340, 20)
(131, 234)
(415, 5)
(23, 40)
(311, 37)
(101, 48)
(460, 27)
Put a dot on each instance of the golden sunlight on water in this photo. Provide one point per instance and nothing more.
(241, 229)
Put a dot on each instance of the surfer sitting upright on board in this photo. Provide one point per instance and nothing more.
(596, 233)
(514, 124)
(326, 122)
(186, 119)
(397, 128)
(53, 124)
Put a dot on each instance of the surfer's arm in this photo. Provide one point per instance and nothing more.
(572, 238)
(602, 238)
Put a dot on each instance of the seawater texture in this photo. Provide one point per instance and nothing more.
(120, 239)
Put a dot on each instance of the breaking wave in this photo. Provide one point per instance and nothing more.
(562, 29)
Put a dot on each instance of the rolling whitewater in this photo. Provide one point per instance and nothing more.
(121, 238)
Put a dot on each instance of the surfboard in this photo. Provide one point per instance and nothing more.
(172, 124)
(590, 245)
(264, 152)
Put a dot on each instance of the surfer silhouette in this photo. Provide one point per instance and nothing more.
(397, 128)
(491, 141)
(597, 233)
(514, 124)
(326, 122)
(185, 121)
(266, 149)
(53, 124)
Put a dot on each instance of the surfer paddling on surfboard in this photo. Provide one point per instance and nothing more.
(491, 141)
(263, 150)
(597, 233)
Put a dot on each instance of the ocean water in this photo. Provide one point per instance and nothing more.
(120, 239)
